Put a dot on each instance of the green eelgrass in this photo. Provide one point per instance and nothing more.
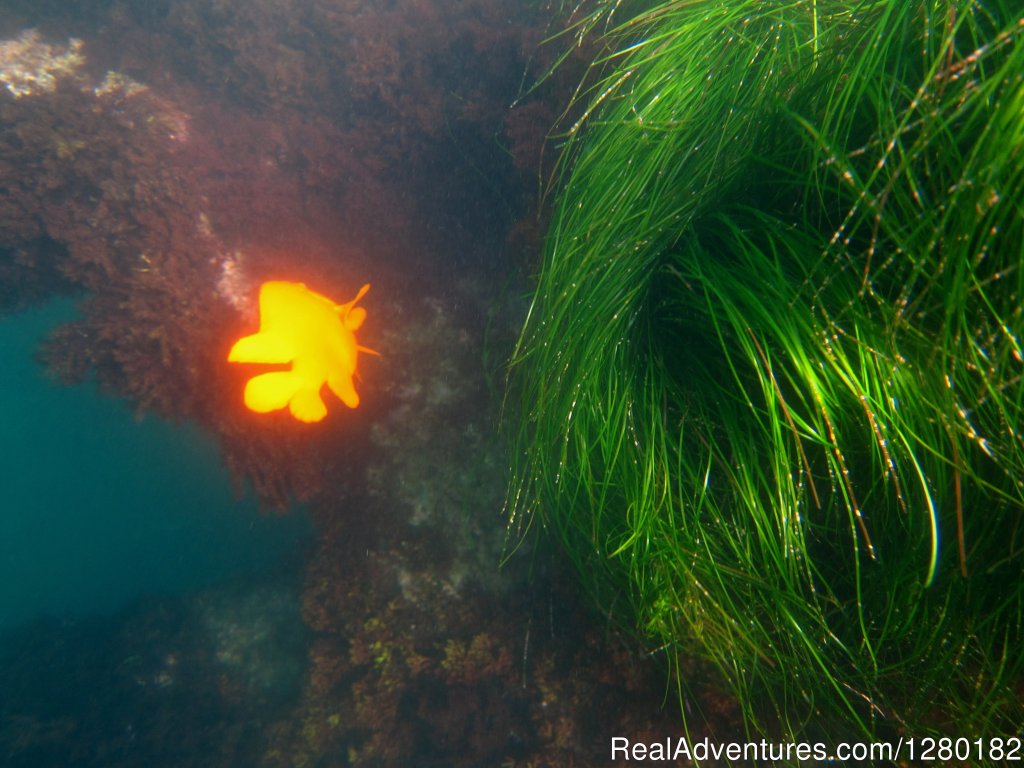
(771, 380)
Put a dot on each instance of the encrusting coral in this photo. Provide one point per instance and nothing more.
(28, 65)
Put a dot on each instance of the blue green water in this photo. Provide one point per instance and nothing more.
(97, 508)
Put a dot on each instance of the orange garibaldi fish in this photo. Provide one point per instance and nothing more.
(316, 336)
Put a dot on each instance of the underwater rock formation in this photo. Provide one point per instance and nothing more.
(167, 205)
(103, 199)
(94, 175)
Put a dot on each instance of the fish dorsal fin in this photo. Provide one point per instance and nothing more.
(341, 309)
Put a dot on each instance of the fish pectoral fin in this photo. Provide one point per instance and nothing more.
(341, 385)
(367, 350)
(262, 348)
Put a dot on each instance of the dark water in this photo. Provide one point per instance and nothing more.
(97, 508)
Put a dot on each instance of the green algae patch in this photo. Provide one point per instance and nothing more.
(770, 385)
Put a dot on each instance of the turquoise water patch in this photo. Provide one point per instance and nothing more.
(97, 508)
